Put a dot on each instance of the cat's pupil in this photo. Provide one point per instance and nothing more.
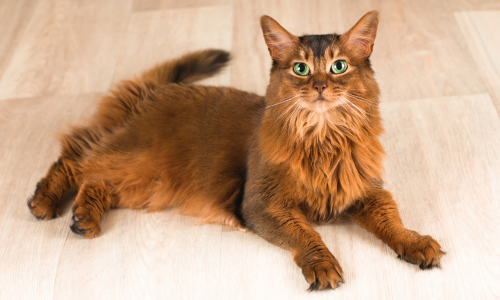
(301, 67)
(338, 65)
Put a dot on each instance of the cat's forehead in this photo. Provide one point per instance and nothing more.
(320, 46)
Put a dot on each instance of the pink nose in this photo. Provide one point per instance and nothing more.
(320, 86)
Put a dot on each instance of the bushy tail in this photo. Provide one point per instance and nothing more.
(188, 68)
(114, 110)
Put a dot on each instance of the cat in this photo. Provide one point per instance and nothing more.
(308, 151)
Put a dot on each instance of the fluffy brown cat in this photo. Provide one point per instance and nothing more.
(306, 152)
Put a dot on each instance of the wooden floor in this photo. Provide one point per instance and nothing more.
(438, 66)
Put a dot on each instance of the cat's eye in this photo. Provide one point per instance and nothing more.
(339, 67)
(301, 69)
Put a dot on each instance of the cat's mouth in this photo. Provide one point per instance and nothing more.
(321, 104)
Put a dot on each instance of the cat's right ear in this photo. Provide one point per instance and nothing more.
(279, 41)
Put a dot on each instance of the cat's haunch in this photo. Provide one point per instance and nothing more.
(308, 151)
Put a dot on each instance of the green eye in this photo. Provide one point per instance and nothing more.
(339, 67)
(301, 69)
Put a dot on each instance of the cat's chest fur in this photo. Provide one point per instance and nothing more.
(326, 181)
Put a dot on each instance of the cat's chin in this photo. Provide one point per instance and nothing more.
(322, 105)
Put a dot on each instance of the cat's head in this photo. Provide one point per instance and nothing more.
(320, 79)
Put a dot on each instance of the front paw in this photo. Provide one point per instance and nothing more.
(322, 272)
(419, 250)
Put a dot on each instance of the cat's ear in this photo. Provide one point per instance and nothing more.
(360, 38)
(279, 41)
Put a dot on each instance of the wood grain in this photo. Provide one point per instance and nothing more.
(31, 249)
(14, 16)
(142, 5)
(68, 47)
(153, 37)
(419, 51)
(480, 30)
(450, 184)
(142, 256)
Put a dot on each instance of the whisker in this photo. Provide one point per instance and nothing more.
(367, 119)
(342, 104)
(370, 102)
(361, 111)
(286, 100)
(287, 110)
(347, 102)
(294, 113)
(289, 118)
(359, 97)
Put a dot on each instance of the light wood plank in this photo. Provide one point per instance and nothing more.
(480, 31)
(68, 47)
(463, 5)
(444, 171)
(14, 16)
(142, 256)
(154, 37)
(451, 183)
(141, 5)
(31, 249)
(460, 141)
(419, 51)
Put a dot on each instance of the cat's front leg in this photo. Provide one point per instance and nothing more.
(288, 228)
(379, 214)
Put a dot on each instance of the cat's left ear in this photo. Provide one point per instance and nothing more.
(279, 41)
(360, 37)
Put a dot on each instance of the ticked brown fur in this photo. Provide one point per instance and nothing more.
(306, 152)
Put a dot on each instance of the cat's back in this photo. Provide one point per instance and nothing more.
(208, 101)
(199, 114)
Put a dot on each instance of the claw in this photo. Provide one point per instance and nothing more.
(314, 286)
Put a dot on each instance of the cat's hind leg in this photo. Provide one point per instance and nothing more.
(93, 199)
(45, 202)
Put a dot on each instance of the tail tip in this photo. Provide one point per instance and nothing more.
(216, 57)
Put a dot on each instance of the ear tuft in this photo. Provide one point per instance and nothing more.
(279, 41)
(360, 37)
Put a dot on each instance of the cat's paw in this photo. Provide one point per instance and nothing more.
(323, 273)
(84, 225)
(420, 250)
(42, 206)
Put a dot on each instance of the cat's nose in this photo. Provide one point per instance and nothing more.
(320, 86)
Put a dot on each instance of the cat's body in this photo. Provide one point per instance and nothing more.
(306, 152)
(182, 146)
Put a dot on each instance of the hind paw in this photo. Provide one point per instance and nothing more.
(42, 207)
(85, 226)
